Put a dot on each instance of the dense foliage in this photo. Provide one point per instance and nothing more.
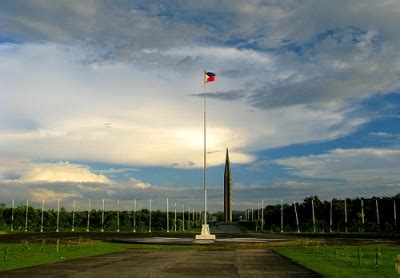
(128, 220)
(386, 205)
(271, 213)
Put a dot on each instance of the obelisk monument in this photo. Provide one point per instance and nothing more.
(227, 189)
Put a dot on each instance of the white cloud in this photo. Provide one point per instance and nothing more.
(116, 171)
(63, 115)
(62, 172)
(358, 58)
(366, 167)
(382, 134)
(85, 64)
(139, 184)
(31, 172)
(51, 195)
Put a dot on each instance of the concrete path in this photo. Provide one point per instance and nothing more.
(191, 241)
(154, 263)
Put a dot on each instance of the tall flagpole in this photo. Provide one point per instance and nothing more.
(205, 151)
(205, 231)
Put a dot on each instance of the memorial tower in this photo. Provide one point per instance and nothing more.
(227, 190)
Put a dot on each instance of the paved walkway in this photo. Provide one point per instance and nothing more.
(154, 263)
(191, 241)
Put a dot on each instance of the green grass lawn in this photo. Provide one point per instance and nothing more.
(18, 255)
(345, 261)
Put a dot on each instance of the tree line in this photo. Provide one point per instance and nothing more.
(124, 221)
(351, 215)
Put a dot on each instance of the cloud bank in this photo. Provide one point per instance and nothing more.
(119, 83)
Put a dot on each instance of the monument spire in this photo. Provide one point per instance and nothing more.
(227, 189)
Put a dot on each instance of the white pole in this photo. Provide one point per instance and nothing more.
(394, 214)
(188, 218)
(175, 217)
(183, 217)
(258, 211)
(262, 215)
(377, 212)
(281, 216)
(330, 217)
(345, 213)
(362, 211)
(118, 218)
(58, 214)
(12, 216)
(297, 217)
(73, 216)
(26, 215)
(88, 217)
(102, 217)
(313, 213)
(150, 217)
(193, 216)
(41, 223)
(134, 216)
(167, 217)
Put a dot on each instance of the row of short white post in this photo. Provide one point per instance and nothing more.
(189, 212)
(313, 214)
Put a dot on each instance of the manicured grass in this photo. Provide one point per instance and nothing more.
(24, 254)
(345, 261)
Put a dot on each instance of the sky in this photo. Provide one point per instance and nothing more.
(103, 100)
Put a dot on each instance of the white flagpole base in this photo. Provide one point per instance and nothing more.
(205, 233)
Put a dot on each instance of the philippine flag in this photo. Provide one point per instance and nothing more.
(209, 77)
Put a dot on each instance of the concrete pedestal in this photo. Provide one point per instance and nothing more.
(205, 233)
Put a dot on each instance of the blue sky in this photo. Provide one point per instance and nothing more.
(103, 100)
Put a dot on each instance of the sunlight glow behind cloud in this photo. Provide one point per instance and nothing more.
(150, 125)
(31, 172)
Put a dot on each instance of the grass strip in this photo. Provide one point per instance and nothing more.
(345, 261)
(25, 254)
